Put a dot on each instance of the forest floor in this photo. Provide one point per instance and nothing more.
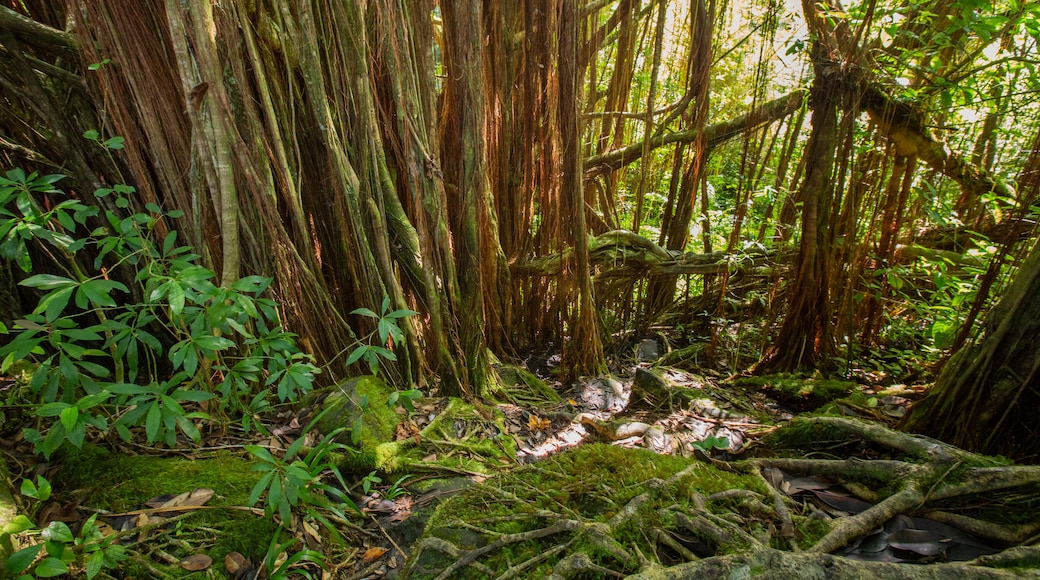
(655, 472)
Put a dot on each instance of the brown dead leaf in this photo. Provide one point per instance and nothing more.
(400, 516)
(234, 562)
(196, 562)
(430, 457)
(197, 497)
(407, 429)
(373, 554)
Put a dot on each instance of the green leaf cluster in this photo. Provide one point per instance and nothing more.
(293, 480)
(90, 549)
(130, 330)
(388, 331)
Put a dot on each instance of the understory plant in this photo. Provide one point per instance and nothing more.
(130, 330)
(58, 547)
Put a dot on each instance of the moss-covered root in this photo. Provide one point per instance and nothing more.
(770, 564)
(582, 514)
(925, 472)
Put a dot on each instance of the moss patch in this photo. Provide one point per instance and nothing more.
(119, 483)
(802, 393)
(591, 484)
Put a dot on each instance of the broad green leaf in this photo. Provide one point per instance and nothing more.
(357, 354)
(98, 291)
(95, 563)
(210, 342)
(54, 303)
(47, 282)
(17, 525)
(365, 312)
(23, 558)
(153, 422)
(69, 418)
(191, 395)
(29, 489)
(50, 567)
(188, 428)
(91, 401)
(57, 532)
(78, 434)
(176, 297)
(260, 487)
(126, 389)
(252, 284)
(114, 143)
(51, 409)
(274, 497)
(261, 452)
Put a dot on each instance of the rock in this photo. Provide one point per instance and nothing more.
(363, 398)
(648, 350)
(650, 383)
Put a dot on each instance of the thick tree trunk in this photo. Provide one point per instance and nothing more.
(584, 354)
(466, 177)
(986, 397)
(805, 333)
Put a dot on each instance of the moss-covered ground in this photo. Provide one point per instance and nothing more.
(612, 501)
(118, 483)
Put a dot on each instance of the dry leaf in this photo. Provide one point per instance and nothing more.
(196, 562)
(400, 516)
(234, 562)
(193, 498)
(407, 429)
(536, 423)
(373, 554)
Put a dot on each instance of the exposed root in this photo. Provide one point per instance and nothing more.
(581, 526)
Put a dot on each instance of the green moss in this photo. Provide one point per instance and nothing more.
(521, 385)
(591, 483)
(803, 392)
(810, 530)
(119, 483)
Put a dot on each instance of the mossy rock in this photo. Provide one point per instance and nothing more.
(524, 386)
(363, 398)
(802, 393)
(118, 483)
(463, 437)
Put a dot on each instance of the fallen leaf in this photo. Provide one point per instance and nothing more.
(197, 497)
(400, 516)
(407, 429)
(373, 554)
(536, 423)
(159, 500)
(234, 562)
(196, 562)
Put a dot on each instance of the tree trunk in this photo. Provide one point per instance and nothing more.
(805, 333)
(986, 397)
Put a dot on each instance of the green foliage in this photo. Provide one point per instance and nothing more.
(283, 568)
(289, 481)
(143, 336)
(711, 442)
(89, 550)
(388, 331)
